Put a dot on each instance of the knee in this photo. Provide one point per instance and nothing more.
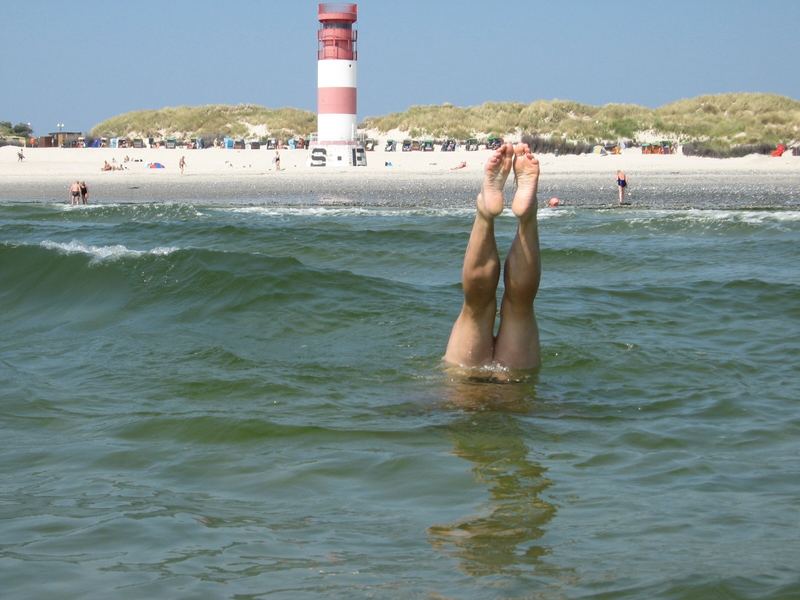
(486, 275)
(521, 291)
(517, 309)
(479, 309)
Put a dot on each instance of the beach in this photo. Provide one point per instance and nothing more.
(46, 173)
(228, 383)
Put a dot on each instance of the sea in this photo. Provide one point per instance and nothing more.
(237, 392)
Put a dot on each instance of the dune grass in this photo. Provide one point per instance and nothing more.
(719, 122)
(726, 119)
(207, 121)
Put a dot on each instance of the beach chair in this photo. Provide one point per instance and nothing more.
(493, 143)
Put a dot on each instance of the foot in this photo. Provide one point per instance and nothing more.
(495, 173)
(526, 172)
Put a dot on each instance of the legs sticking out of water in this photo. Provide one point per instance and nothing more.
(472, 342)
(472, 338)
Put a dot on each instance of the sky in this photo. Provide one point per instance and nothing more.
(80, 62)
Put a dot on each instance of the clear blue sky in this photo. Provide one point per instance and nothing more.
(80, 62)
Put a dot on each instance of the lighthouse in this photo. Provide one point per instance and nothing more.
(337, 143)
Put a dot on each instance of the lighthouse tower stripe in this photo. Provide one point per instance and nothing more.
(336, 100)
(336, 73)
(336, 128)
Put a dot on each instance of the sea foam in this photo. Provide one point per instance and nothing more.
(348, 211)
(104, 253)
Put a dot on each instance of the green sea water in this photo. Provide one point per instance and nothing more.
(243, 398)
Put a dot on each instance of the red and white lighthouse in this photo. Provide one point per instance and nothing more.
(337, 57)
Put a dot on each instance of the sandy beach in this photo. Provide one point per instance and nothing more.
(45, 173)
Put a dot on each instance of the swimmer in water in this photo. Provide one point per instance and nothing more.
(74, 193)
(472, 341)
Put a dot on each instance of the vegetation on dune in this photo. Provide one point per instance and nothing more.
(713, 149)
(721, 121)
(209, 120)
(717, 125)
(14, 135)
(738, 118)
(20, 129)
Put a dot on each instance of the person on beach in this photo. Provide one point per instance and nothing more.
(472, 343)
(182, 164)
(74, 193)
(20, 156)
(277, 160)
(622, 183)
(84, 193)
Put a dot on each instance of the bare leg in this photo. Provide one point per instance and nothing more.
(472, 338)
(517, 345)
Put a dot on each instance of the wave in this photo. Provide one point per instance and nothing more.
(635, 293)
(575, 256)
(687, 221)
(347, 211)
(224, 429)
(362, 211)
(191, 285)
(110, 211)
(719, 217)
(104, 253)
